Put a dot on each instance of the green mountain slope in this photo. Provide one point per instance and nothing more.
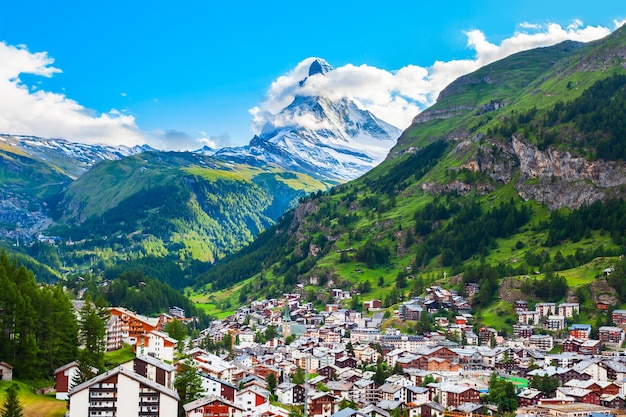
(473, 190)
(181, 206)
(25, 184)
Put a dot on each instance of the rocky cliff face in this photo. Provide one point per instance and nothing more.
(554, 178)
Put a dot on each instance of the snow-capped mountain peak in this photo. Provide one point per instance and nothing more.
(319, 66)
(328, 138)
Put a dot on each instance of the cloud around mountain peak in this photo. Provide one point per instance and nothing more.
(396, 96)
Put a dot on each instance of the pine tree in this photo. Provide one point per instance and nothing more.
(92, 333)
(188, 385)
(12, 406)
(85, 371)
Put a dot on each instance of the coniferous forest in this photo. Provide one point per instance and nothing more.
(38, 325)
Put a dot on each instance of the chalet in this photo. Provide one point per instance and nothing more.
(613, 401)
(391, 405)
(153, 369)
(599, 387)
(329, 371)
(63, 377)
(177, 312)
(460, 320)
(340, 389)
(471, 338)
(212, 405)
(471, 289)
(442, 365)
(391, 392)
(416, 395)
(453, 395)
(615, 371)
(215, 386)
(570, 374)
(322, 404)
(251, 398)
(530, 397)
(374, 411)
(133, 325)
(122, 392)
(432, 409)
(290, 393)
(346, 362)
(486, 334)
(580, 395)
(6, 371)
(410, 311)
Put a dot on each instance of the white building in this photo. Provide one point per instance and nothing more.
(568, 309)
(121, 392)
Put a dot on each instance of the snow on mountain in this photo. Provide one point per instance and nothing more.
(332, 139)
(75, 158)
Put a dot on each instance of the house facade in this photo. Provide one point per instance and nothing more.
(122, 392)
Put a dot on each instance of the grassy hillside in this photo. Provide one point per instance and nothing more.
(446, 203)
(35, 405)
(181, 206)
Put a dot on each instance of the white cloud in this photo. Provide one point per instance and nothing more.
(28, 110)
(397, 96)
(619, 23)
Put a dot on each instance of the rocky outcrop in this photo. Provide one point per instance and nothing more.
(559, 179)
(552, 177)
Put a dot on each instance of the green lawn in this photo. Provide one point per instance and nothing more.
(120, 356)
(35, 405)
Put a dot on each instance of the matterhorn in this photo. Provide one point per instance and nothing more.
(328, 138)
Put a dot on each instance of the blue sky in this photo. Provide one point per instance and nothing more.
(181, 74)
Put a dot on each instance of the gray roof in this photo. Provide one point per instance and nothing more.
(348, 412)
(389, 405)
(130, 374)
(154, 361)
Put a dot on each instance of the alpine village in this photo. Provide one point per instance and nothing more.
(477, 270)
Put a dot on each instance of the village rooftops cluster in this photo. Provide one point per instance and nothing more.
(338, 349)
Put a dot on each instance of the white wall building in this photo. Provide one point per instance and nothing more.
(121, 392)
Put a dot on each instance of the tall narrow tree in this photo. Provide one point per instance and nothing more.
(12, 406)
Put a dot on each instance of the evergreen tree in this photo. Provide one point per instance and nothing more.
(37, 323)
(188, 384)
(85, 371)
(92, 333)
(298, 376)
(12, 406)
(502, 393)
(176, 329)
(271, 382)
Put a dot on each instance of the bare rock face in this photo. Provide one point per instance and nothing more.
(551, 177)
(602, 292)
(560, 179)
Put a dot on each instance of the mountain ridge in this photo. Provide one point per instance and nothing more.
(503, 150)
